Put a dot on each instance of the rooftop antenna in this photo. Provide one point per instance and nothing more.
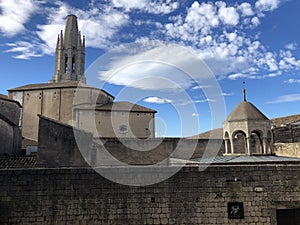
(244, 91)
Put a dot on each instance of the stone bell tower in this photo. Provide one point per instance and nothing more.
(70, 54)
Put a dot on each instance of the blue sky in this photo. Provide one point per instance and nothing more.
(255, 41)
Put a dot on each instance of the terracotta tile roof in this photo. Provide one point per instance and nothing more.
(9, 162)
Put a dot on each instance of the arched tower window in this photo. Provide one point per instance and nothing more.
(66, 64)
(73, 63)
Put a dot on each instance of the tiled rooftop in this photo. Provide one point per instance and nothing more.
(10, 162)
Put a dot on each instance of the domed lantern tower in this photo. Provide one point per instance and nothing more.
(247, 131)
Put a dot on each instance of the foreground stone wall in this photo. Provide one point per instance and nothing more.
(81, 196)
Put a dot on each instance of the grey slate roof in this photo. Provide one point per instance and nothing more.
(246, 111)
(248, 159)
(19, 162)
(118, 106)
(292, 119)
(124, 106)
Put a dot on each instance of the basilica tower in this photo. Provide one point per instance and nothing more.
(70, 54)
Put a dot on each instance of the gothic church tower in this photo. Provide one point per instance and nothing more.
(70, 54)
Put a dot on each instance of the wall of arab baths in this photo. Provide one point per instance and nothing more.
(81, 196)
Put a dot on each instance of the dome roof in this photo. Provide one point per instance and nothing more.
(245, 111)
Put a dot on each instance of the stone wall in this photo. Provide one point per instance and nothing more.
(287, 134)
(54, 101)
(58, 147)
(10, 130)
(81, 196)
(287, 149)
(108, 123)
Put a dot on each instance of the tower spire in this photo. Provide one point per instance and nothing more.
(69, 60)
(244, 91)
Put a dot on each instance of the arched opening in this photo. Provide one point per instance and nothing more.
(256, 142)
(239, 142)
(227, 143)
(73, 64)
(66, 64)
(226, 136)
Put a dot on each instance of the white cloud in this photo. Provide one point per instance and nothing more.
(246, 9)
(267, 5)
(291, 46)
(99, 30)
(15, 13)
(216, 30)
(227, 94)
(162, 7)
(236, 76)
(255, 21)
(155, 7)
(292, 81)
(195, 115)
(275, 74)
(157, 100)
(204, 100)
(25, 50)
(233, 52)
(150, 67)
(288, 61)
(201, 16)
(128, 5)
(271, 61)
(99, 27)
(199, 87)
(286, 98)
(229, 15)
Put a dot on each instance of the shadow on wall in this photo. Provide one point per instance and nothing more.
(10, 130)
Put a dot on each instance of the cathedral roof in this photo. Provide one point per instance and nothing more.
(70, 84)
(245, 111)
(119, 106)
(125, 106)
